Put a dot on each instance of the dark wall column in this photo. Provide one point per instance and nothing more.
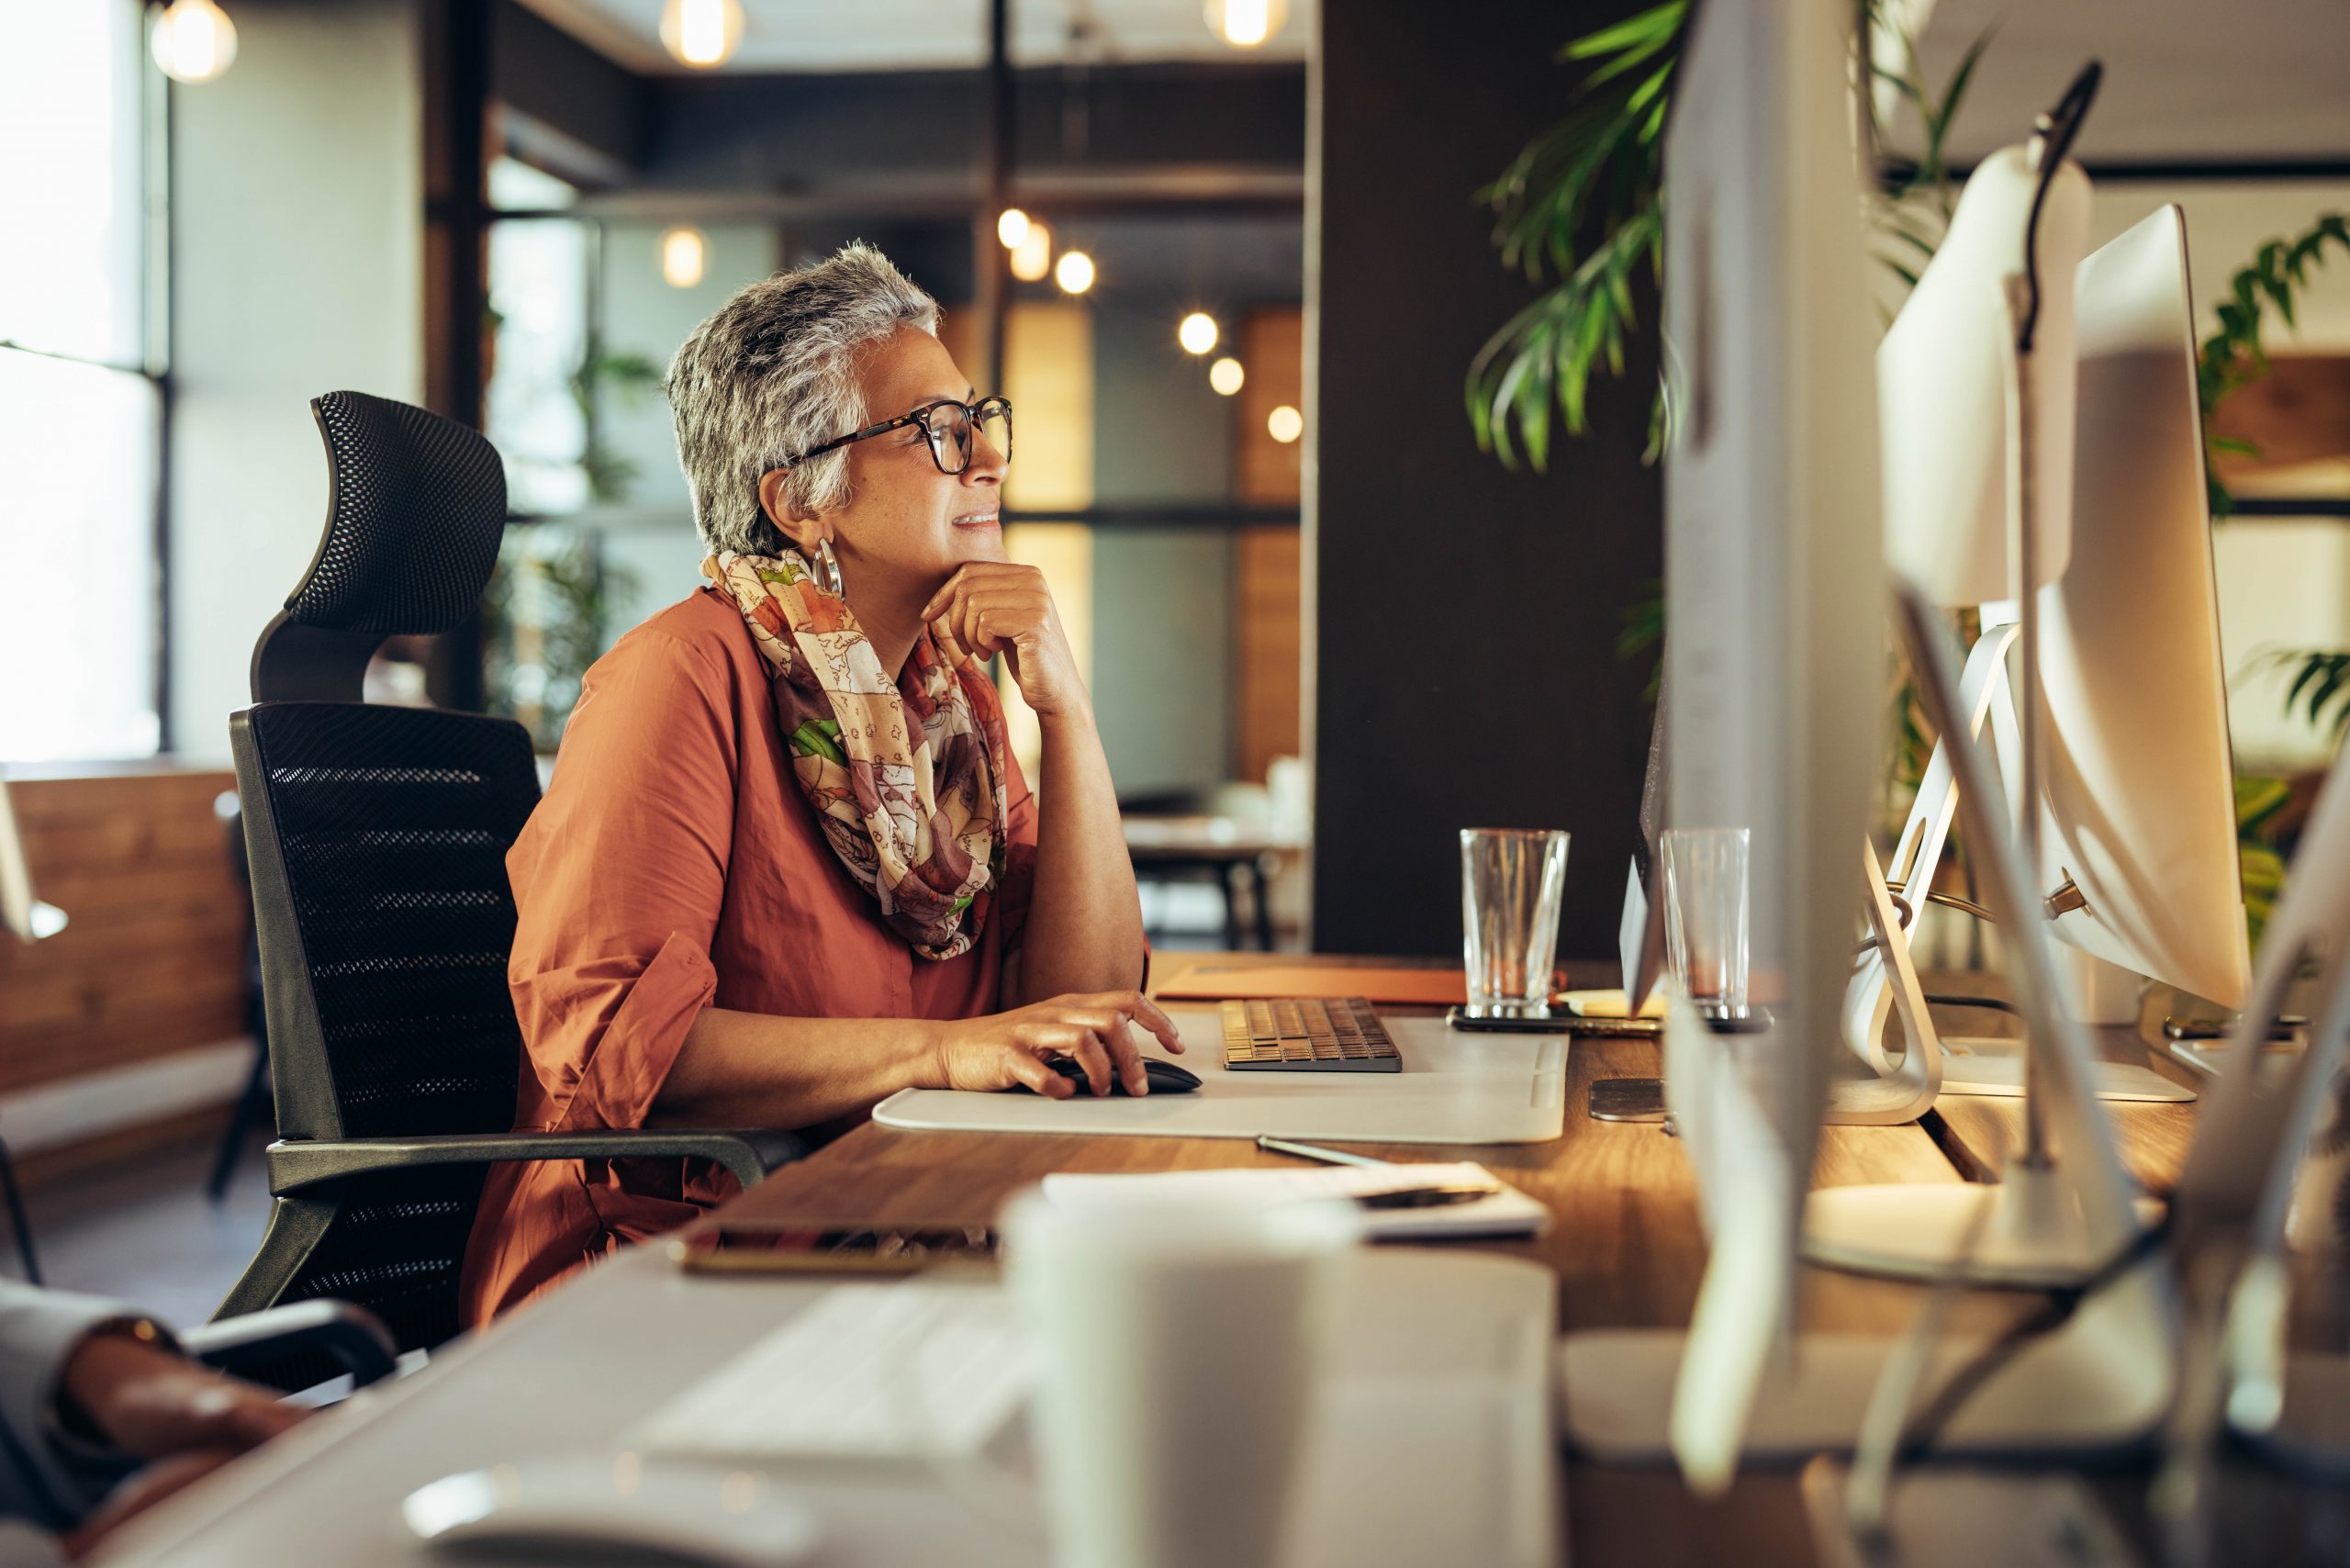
(456, 69)
(1462, 664)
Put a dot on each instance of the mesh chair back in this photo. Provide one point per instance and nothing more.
(389, 827)
(378, 841)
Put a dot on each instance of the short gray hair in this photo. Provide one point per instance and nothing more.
(772, 374)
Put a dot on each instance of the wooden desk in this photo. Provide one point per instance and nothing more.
(577, 1369)
(1626, 1244)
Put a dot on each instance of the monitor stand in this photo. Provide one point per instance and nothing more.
(1975, 1065)
(2034, 1239)
(2096, 1387)
(1965, 1518)
(1993, 1068)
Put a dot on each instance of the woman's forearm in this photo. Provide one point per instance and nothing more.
(747, 1069)
(1085, 919)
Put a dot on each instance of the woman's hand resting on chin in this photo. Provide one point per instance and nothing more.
(1002, 607)
(1004, 1050)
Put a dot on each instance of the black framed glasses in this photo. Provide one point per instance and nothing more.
(952, 428)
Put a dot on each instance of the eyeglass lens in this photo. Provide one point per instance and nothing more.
(951, 425)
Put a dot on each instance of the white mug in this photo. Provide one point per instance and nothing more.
(1178, 1349)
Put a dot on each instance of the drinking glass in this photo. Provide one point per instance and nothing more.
(1510, 883)
(1705, 916)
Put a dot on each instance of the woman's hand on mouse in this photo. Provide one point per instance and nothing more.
(1003, 607)
(1004, 1050)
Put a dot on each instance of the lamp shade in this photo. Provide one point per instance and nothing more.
(1943, 390)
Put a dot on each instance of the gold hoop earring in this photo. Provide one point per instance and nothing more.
(828, 568)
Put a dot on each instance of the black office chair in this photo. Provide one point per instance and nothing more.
(376, 838)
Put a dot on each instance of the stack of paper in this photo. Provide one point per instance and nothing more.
(1507, 1212)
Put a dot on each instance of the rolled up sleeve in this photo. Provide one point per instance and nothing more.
(619, 878)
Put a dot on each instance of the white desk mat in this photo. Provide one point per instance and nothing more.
(1455, 1088)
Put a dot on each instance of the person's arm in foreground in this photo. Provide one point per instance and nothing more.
(88, 1389)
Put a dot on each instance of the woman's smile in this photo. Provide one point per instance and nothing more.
(976, 519)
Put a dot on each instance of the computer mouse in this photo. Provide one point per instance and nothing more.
(614, 1508)
(1164, 1076)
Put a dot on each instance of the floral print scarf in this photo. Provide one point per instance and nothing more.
(906, 777)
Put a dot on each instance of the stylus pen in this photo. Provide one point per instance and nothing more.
(1326, 1155)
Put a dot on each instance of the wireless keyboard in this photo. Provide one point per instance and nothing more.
(907, 1370)
(1307, 1034)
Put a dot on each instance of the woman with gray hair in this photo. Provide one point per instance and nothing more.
(787, 865)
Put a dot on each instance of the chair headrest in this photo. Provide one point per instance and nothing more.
(415, 510)
(415, 505)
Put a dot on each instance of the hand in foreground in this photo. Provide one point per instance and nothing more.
(1005, 1049)
(1003, 607)
(150, 1402)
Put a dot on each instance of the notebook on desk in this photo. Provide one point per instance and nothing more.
(1507, 1212)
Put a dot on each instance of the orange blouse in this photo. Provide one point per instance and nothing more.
(674, 865)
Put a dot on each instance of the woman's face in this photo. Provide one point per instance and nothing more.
(907, 526)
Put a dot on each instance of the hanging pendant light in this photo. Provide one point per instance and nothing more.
(1246, 24)
(193, 41)
(1031, 253)
(702, 33)
(683, 256)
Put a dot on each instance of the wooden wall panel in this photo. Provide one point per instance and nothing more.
(1272, 351)
(1267, 639)
(1267, 647)
(154, 958)
(2299, 415)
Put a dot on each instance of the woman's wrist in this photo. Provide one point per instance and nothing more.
(930, 1060)
(1071, 711)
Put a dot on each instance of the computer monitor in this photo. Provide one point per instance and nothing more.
(1942, 394)
(2138, 811)
(20, 912)
(1775, 582)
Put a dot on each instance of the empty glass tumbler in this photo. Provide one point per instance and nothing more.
(1510, 881)
(1705, 916)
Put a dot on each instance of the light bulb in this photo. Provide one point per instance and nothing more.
(193, 41)
(1285, 424)
(1074, 272)
(702, 33)
(1226, 375)
(1011, 227)
(1032, 257)
(1246, 24)
(683, 256)
(1197, 334)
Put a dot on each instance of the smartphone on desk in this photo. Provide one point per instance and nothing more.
(1558, 1021)
(785, 1248)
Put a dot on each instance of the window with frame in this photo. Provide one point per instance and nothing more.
(81, 391)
